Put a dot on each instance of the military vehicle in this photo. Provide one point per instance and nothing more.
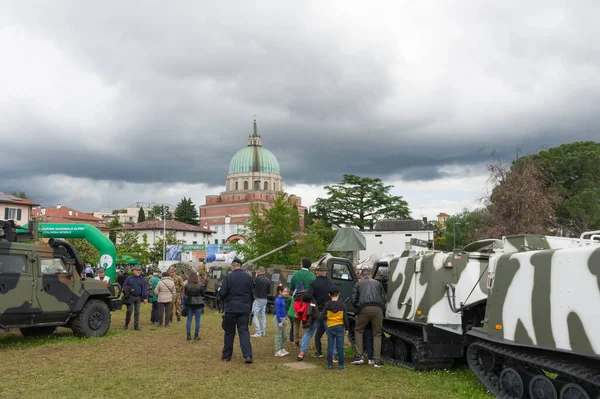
(341, 272)
(277, 275)
(540, 337)
(424, 327)
(41, 287)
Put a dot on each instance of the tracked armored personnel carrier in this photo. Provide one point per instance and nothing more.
(433, 299)
(41, 288)
(540, 337)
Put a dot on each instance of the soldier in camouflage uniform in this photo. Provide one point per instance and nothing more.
(176, 304)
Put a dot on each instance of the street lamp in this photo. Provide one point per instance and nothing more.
(454, 234)
(165, 210)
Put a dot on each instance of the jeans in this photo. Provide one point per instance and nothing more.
(335, 340)
(373, 315)
(134, 307)
(291, 319)
(259, 308)
(193, 312)
(310, 332)
(318, 335)
(154, 313)
(279, 334)
(164, 308)
(231, 321)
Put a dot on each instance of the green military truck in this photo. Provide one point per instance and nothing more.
(41, 287)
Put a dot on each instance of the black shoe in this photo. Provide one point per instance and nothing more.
(189, 337)
(137, 328)
(196, 338)
(317, 355)
(378, 364)
(358, 360)
(125, 326)
(226, 359)
(248, 360)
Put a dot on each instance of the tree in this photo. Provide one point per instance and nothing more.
(128, 244)
(269, 228)
(156, 212)
(360, 201)
(574, 171)
(113, 224)
(20, 194)
(468, 225)
(156, 253)
(86, 251)
(186, 212)
(522, 201)
(141, 215)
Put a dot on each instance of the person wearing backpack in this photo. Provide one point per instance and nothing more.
(165, 294)
(152, 298)
(300, 281)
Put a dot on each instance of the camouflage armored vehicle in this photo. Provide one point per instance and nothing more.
(425, 328)
(41, 287)
(540, 337)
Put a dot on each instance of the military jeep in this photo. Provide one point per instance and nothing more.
(41, 287)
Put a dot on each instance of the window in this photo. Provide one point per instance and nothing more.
(184, 233)
(194, 242)
(216, 240)
(340, 272)
(53, 266)
(407, 235)
(289, 279)
(195, 235)
(13, 264)
(266, 185)
(236, 186)
(274, 186)
(223, 241)
(275, 277)
(246, 185)
(12, 213)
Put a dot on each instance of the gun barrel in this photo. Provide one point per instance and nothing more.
(251, 261)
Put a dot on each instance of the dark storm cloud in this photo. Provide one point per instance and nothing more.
(336, 90)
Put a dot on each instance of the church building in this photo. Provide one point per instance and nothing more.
(254, 178)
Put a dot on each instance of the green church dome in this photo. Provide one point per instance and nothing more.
(254, 159)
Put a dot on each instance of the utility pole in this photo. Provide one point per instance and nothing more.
(165, 210)
(454, 234)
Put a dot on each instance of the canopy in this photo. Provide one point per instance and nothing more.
(127, 260)
(348, 239)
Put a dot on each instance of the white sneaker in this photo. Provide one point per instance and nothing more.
(255, 336)
(279, 354)
(371, 362)
(284, 352)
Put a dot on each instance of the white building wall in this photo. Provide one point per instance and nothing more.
(385, 242)
(188, 237)
(13, 212)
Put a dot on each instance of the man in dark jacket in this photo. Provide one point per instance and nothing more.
(136, 289)
(262, 286)
(319, 291)
(368, 298)
(236, 293)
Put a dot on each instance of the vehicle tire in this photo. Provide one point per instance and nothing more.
(271, 309)
(41, 331)
(352, 334)
(93, 320)
(211, 303)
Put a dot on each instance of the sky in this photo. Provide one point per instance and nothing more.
(103, 104)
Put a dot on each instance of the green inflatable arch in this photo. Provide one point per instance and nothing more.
(91, 234)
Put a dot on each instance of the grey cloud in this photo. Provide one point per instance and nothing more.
(332, 95)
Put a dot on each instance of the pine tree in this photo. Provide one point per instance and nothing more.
(141, 215)
(186, 212)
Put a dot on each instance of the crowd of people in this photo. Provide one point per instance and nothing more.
(309, 307)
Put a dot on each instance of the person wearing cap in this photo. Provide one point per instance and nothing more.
(102, 277)
(236, 293)
(368, 298)
(137, 289)
(152, 283)
(300, 281)
(176, 304)
(319, 291)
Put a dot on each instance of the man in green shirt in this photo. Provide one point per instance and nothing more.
(152, 282)
(305, 277)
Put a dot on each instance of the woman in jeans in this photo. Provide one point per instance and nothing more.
(165, 293)
(194, 292)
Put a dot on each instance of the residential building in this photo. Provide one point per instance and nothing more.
(16, 208)
(129, 214)
(392, 236)
(154, 229)
(64, 215)
(254, 178)
(442, 219)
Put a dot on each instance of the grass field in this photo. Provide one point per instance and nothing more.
(159, 363)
